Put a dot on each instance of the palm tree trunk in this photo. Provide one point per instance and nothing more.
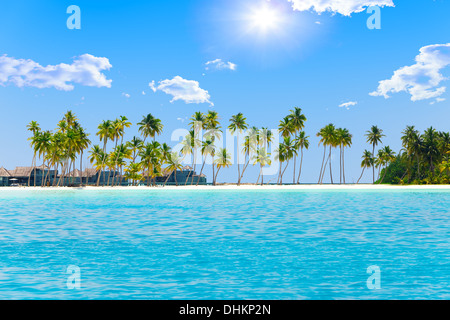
(324, 170)
(364, 168)
(323, 160)
(262, 176)
(331, 173)
(168, 176)
(287, 164)
(373, 167)
(217, 173)
(201, 171)
(245, 168)
(279, 173)
(81, 168)
(295, 165)
(29, 176)
(214, 179)
(384, 175)
(343, 163)
(238, 165)
(300, 169)
(340, 164)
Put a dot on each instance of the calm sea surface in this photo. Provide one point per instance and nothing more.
(170, 244)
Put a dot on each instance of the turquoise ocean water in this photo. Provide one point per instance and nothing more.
(171, 244)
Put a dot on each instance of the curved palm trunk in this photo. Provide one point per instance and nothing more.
(287, 165)
(323, 161)
(165, 182)
(300, 169)
(331, 173)
(295, 165)
(29, 176)
(238, 165)
(364, 168)
(373, 167)
(245, 168)
(81, 168)
(217, 173)
(279, 173)
(213, 165)
(384, 175)
(201, 171)
(189, 174)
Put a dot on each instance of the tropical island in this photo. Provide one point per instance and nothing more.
(143, 161)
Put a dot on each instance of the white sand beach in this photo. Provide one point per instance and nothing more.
(234, 187)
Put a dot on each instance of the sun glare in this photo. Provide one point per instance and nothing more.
(265, 19)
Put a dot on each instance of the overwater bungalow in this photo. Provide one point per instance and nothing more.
(21, 175)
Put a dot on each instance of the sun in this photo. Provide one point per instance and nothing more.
(265, 19)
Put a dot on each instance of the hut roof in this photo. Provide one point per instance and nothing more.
(75, 173)
(90, 172)
(25, 171)
(4, 172)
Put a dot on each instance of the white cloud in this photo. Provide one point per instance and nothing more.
(437, 100)
(349, 104)
(143, 93)
(152, 86)
(423, 79)
(344, 7)
(126, 95)
(188, 91)
(218, 64)
(85, 70)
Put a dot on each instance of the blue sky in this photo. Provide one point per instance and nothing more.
(309, 59)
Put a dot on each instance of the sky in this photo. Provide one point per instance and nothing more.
(258, 57)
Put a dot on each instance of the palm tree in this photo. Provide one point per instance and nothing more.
(150, 127)
(374, 137)
(119, 131)
(262, 158)
(297, 119)
(189, 145)
(409, 137)
(238, 124)
(132, 173)
(251, 145)
(367, 162)
(301, 142)
(105, 132)
(212, 132)
(174, 164)
(327, 138)
(445, 166)
(135, 145)
(286, 152)
(97, 158)
(83, 144)
(34, 128)
(150, 159)
(223, 160)
(208, 149)
(344, 139)
(388, 157)
(431, 146)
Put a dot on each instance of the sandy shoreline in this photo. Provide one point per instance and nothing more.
(303, 187)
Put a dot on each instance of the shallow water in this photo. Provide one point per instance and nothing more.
(170, 244)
